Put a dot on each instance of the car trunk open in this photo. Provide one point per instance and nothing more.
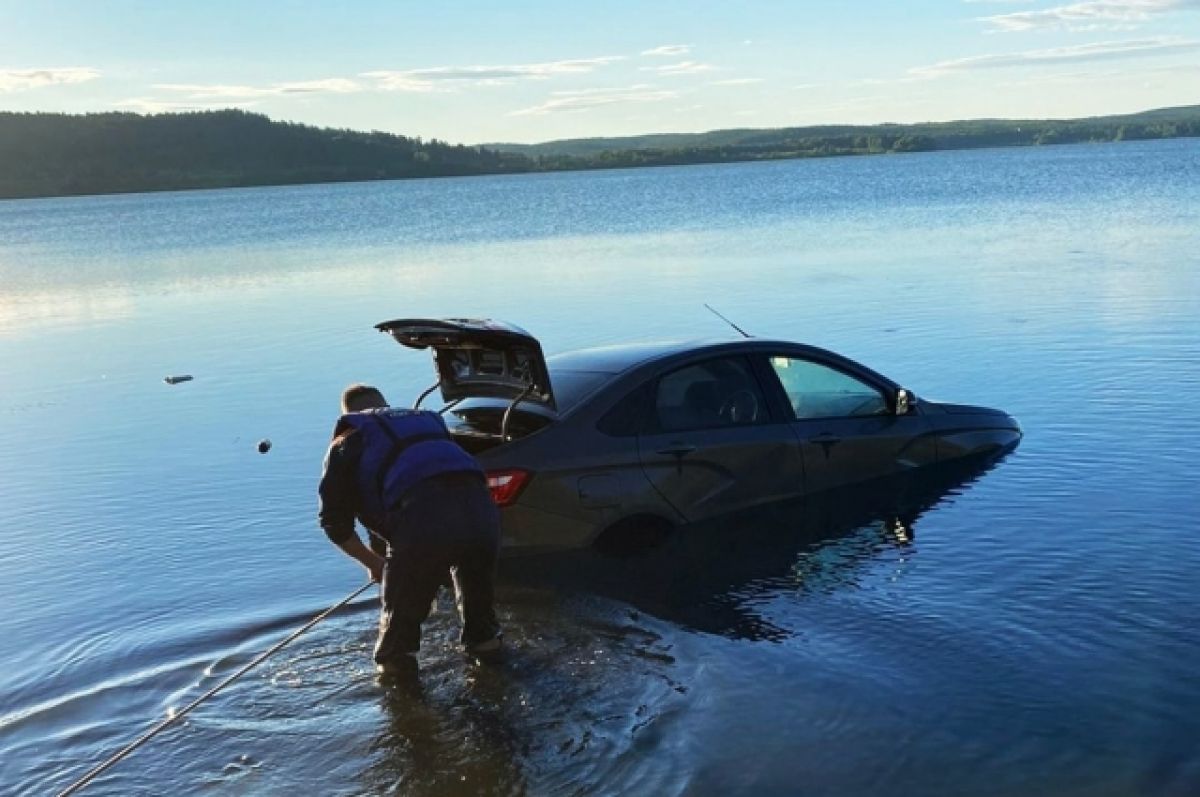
(479, 358)
(492, 377)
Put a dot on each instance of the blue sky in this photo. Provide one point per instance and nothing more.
(477, 72)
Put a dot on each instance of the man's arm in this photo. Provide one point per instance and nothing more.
(338, 494)
(373, 562)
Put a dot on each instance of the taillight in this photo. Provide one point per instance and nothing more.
(506, 485)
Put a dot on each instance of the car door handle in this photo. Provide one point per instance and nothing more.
(676, 450)
(825, 438)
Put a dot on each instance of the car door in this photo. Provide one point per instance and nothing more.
(712, 445)
(845, 424)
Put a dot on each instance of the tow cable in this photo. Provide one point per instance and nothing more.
(150, 734)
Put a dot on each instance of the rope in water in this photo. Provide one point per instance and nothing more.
(150, 734)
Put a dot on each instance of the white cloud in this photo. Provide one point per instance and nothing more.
(1089, 14)
(199, 91)
(1108, 77)
(214, 91)
(1097, 51)
(586, 99)
(432, 79)
(25, 79)
(150, 105)
(333, 85)
(403, 81)
(680, 68)
(1059, 78)
(916, 75)
(669, 50)
(737, 81)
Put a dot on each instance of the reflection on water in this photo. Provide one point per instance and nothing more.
(721, 576)
(19, 312)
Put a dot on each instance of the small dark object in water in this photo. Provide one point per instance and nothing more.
(264, 446)
(175, 380)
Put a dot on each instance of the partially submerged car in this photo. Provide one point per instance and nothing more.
(617, 446)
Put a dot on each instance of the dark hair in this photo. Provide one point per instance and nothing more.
(359, 397)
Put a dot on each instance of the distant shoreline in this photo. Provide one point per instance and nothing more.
(531, 172)
(58, 155)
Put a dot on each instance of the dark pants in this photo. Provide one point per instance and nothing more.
(447, 524)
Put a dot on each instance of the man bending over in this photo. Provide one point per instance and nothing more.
(401, 475)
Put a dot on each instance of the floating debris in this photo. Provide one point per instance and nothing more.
(175, 380)
(264, 446)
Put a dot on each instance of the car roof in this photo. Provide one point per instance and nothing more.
(617, 359)
(621, 357)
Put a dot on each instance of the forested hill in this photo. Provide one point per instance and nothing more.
(798, 142)
(44, 154)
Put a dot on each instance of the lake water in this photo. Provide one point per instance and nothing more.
(1031, 631)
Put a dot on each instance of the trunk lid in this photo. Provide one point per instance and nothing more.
(478, 357)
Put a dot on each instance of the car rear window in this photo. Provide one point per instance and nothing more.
(571, 387)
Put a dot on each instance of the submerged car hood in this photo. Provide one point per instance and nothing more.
(968, 409)
(965, 409)
(478, 357)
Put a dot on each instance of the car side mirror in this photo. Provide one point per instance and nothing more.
(904, 401)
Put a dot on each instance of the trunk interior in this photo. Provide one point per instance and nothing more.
(477, 429)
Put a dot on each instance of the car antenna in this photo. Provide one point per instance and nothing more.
(727, 321)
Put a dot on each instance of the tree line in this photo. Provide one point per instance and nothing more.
(48, 154)
(833, 140)
(45, 154)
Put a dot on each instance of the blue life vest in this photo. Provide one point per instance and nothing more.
(401, 448)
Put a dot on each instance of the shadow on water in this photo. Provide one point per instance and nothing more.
(711, 577)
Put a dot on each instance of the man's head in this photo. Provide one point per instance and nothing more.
(359, 397)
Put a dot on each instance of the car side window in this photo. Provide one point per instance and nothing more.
(627, 417)
(711, 394)
(818, 391)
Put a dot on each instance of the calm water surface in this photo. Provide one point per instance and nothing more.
(1031, 629)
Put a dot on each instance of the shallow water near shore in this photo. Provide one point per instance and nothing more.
(1023, 628)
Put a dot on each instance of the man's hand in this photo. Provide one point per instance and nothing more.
(372, 561)
(375, 568)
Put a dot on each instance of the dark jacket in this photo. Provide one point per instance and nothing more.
(376, 459)
(338, 501)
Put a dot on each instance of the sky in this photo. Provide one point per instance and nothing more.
(478, 72)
